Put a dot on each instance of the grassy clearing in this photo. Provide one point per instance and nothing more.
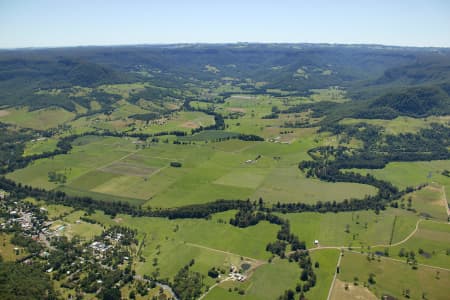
(38, 147)
(181, 121)
(348, 291)
(429, 202)
(56, 211)
(88, 155)
(39, 119)
(334, 94)
(267, 282)
(394, 277)
(290, 185)
(364, 227)
(8, 250)
(404, 174)
(401, 124)
(209, 135)
(327, 260)
(124, 89)
(433, 238)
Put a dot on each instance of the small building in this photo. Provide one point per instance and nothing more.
(316, 242)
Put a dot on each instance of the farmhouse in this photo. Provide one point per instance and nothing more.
(100, 248)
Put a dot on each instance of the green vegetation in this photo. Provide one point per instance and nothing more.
(240, 171)
(387, 280)
(14, 277)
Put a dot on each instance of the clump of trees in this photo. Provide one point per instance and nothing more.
(188, 284)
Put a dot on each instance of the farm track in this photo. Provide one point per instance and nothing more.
(444, 199)
(257, 264)
(117, 160)
(334, 277)
(402, 261)
(226, 252)
(379, 245)
(213, 286)
(342, 248)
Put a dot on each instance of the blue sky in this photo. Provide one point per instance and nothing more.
(33, 23)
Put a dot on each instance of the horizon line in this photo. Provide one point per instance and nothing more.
(221, 43)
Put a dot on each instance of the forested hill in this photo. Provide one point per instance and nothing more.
(366, 72)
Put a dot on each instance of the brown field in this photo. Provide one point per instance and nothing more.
(236, 109)
(4, 113)
(128, 169)
(353, 292)
(189, 124)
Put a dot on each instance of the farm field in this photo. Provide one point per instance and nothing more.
(267, 282)
(387, 282)
(124, 169)
(38, 119)
(429, 243)
(40, 146)
(327, 260)
(365, 228)
(404, 174)
(401, 124)
(344, 290)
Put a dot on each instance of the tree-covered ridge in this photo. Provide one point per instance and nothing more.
(19, 281)
(287, 67)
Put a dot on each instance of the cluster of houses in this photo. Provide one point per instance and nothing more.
(39, 139)
(100, 249)
(24, 219)
(235, 275)
(278, 140)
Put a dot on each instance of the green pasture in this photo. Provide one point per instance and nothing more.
(39, 146)
(124, 89)
(111, 168)
(38, 119)
(434, 239)
(333, 94)
(365, 228)
(393, 277)
(177, 121)
(401, 124)
(403, 174)
(429, 202)
(82, 159)
(327, 259)
(211, 243)
(269, 281)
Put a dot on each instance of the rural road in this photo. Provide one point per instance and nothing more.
(334, 277)
(445, 202)
(213, 286)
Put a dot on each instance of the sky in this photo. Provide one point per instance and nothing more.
(54, 23)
